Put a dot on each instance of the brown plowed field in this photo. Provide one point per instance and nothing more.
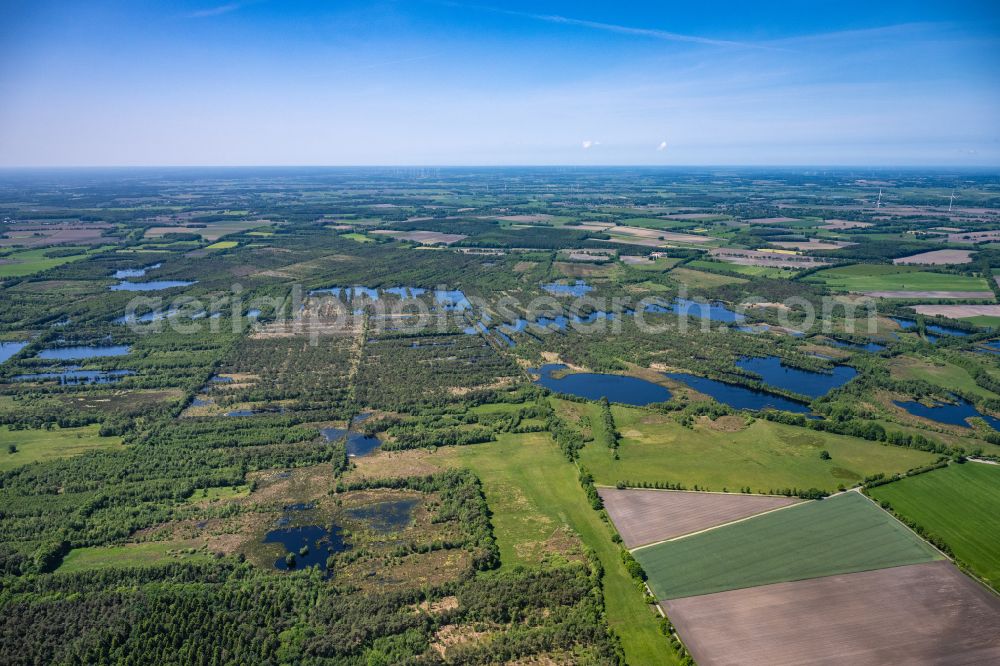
(648, 516)
(918, 614)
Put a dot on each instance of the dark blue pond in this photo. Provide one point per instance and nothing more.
(951, 413)
(812, 384)
(154, 285)
(8, 349)
(580, 288)
(992, 347)
(385, 517)
(81, 352)
(358, 444)
(868, 346)
(320, 542)
(594, 386)
(739, 397)
(74, 377)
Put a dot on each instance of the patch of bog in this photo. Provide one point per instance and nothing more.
(385, 517)
(311, 545)
(358, 444)
(594, 386)
(73, 376)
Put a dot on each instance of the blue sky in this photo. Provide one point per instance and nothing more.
(437, 82)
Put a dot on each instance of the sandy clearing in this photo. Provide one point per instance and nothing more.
(539, 217)
(918, 614)
(772, 220)
(693, 216)
(423, 237)
(936, 258)
(983, 295)
(959, 311)
(768, 259)
(839, 225)
(647, 516)
(812, 244)
(659, 234)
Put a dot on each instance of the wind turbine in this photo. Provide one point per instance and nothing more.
(878, 202)
(951, 201)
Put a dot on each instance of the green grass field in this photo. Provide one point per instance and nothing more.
(959, 504)
(533, 492)
(936, 371)
(842, 534)
(881, 277)
(702, 279)
(42, 445)
(132, 555)
(222, 245)
(764, 455)
(27, 262)
(360, 238)
(754, 271)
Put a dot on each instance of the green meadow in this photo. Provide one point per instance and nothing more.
(728, 454)
(887, 277)
(533, 493)
(40, 445)
(958, 504)
(843, 534)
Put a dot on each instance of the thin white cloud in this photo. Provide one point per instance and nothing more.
(588, 144)
(216, 11)
(652, 33)
(662, 146)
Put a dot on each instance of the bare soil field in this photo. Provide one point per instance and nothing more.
(658, 234)
(959, 311)
(768, 259)
(527, 219)
(213, 231)
(772, 220)
(40, 235)
(974, 237)
(647, 516)
(840, 225)
(984, 295)
(812, 244)
(692, 216)
(918, 614)
(422, 237)
(937, 258)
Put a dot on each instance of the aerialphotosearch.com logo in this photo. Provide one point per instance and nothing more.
(407, 311)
